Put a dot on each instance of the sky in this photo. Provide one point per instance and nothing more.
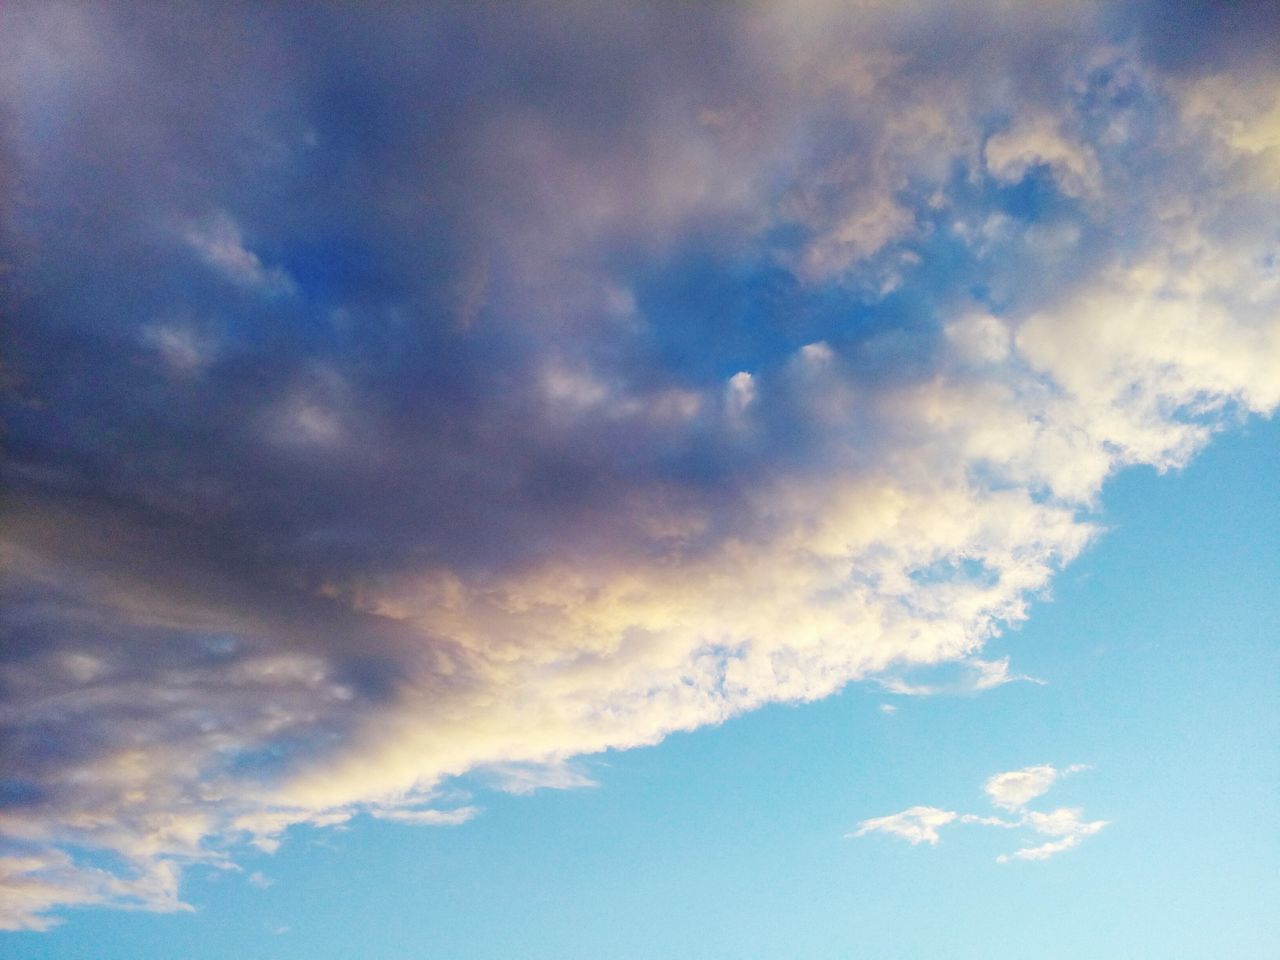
(639, 480)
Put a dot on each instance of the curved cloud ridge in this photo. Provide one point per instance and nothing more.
(368, 429)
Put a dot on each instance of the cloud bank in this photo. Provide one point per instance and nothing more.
(394, 396)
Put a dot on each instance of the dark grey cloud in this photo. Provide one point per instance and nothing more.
(398, 392)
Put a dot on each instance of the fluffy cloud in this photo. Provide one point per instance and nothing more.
(1015, 789)
(378, 414)
(1011, 791)
(1013, 153)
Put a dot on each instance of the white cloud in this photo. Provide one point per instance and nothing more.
(572, 390)
(995, 673)
(1010, 791)
(40, 875)
(1010, 155)
(740, 394)
(1042, 852)
(980, 339)
(975, 676)
(917, 825)
(1014, 789)
(1064, 823)
(859, 235)
(183, 351)
(219, 242)
(526, 778)
(989, 821)
(429, 818)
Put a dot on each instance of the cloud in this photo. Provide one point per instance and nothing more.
(1062, 823)
(431, 818)
(219, 243)
(995, 673)
(975, 676)
(917, 825)
(372, 427)
(36, 876)
(523, 778)
(182, 350)
(1011, 791)
(1042, 852)
(1013, 153)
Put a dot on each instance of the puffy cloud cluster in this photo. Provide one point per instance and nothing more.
(431, 391)
(1011, 792)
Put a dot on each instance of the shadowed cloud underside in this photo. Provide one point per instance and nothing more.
(438, 390)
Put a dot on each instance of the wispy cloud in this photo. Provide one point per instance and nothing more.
(219, 243)
(1010, 791)
(1063, 823)
(525, 778)
(975, 676)
(430, 818)
(917, 825)
(260, 880)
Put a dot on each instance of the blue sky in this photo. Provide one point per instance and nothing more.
(736, 481)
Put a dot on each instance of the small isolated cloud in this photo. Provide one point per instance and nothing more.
(181, 349)
(1011, 791)
(888, 708)
(917, 825)
(260, 880)
(219, 243)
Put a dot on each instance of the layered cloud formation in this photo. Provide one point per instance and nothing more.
(434, 390)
